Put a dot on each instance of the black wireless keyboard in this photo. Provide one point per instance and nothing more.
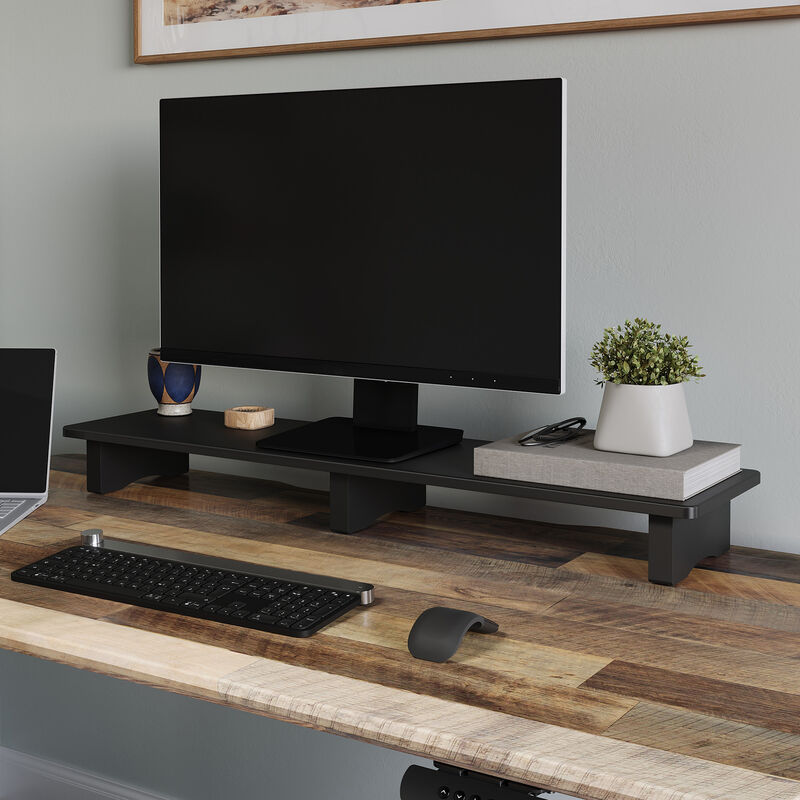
(272, 600)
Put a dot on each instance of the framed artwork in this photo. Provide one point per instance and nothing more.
(182, 30)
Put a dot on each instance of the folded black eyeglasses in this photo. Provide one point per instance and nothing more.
(553, 434)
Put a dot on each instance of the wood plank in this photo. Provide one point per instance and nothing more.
(15, 554)
(529, 696)
(219, 483)
(704, 580)
(38, 534)
(514, 659)
(515, 539)
(699, 659)
(115, 649)
(576, 537)
(779, 711)
(68, 462)
(500, 744)
(712, 738)
(111, 505)
(60, 516)
(758, 563)
(677, 625)
(275, 505)
(280, 507)
(238, 486)
(543, 553)
(67, 480)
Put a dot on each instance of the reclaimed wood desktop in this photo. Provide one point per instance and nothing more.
(599, 684)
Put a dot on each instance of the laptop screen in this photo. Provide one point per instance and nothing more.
(26, 399)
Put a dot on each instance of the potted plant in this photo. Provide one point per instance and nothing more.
(644, 406)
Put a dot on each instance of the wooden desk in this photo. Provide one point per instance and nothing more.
(599, 685)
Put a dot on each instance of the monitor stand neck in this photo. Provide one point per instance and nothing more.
(385, 405)
(383, 429)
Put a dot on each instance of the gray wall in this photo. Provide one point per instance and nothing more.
(683, 198)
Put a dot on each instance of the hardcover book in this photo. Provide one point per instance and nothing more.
(578, 465)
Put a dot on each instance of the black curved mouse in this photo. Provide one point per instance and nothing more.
(438, 632)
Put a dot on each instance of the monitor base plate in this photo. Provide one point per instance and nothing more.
(340, 437)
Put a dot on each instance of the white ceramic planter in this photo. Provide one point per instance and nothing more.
(644, 420)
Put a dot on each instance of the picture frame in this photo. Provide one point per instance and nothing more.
(185, 30)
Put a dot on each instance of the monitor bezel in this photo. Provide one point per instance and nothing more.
(394, 372)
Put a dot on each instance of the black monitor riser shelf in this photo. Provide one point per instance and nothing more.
(125, 448)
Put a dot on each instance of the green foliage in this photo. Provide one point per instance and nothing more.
(639, 353)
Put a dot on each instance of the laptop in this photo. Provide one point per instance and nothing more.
(27, 379)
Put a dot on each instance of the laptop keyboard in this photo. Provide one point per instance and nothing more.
(8, 507)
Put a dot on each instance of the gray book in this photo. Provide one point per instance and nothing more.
(578, 465)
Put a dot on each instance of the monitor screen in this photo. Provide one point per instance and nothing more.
(26, 404)
(411, 233)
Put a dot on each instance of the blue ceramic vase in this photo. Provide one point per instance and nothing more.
(173, 385)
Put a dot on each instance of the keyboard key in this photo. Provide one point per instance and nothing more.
(264, 619)
(191, 597)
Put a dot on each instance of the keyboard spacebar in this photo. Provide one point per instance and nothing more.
(91, 586)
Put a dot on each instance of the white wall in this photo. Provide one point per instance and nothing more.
(684, 170)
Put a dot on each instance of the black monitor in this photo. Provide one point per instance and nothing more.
(397, 235)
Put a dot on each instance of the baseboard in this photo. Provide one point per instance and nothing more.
(27, 777)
